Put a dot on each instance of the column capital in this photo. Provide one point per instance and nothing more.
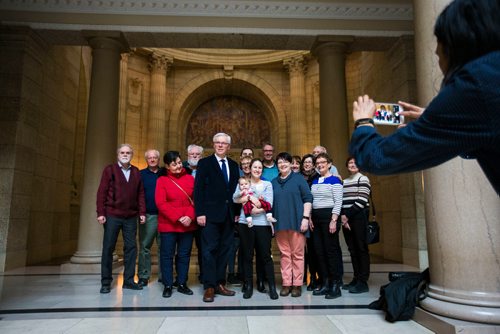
(327, 48)
(159, 62)
(113, 40)
(296, 64)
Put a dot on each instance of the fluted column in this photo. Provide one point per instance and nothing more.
(334, 134)
(157, 101)
(100, 145)
(462, 210)
(296, 67)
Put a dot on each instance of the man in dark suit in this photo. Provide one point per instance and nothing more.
(215, 184)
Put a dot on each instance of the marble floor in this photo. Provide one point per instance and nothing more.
(41, 299)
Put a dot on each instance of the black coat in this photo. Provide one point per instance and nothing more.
(213, 197)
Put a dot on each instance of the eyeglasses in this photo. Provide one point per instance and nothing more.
(321, 162)
(220, 143)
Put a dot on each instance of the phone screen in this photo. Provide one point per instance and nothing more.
(388, 114)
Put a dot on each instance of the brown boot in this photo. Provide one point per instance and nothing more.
(285, 291)
(296, 291)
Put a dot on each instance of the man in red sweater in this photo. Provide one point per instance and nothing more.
(120, 200)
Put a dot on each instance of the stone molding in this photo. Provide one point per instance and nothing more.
(222, 8)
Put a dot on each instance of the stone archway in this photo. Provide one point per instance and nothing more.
(212, 84)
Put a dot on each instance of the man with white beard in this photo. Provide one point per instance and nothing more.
(120, 202)
(195, 153)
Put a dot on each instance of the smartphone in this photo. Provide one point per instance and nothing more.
(388, 114)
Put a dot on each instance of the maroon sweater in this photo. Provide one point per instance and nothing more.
(118, 198)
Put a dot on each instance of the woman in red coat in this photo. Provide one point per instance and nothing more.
(176, 222)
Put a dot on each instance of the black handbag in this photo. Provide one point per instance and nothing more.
(373, 228)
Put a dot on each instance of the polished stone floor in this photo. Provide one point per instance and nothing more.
(43, 300)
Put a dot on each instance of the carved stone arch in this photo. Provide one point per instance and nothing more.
(211, 84)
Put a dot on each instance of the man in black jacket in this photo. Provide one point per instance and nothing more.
(215, 184)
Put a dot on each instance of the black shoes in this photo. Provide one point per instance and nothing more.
(321, 290)
(233, 280)
(183, 288)
(334, 290)
(167, 292)
(132, 286)
(105, 289)
(360, 287)
(175, 284)
(143, 282)
(260, 286)
(272, 292)
(248, 291)
(350, 284)
(313, 285)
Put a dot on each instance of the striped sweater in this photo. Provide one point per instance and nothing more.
(327, 193)
(356, 197)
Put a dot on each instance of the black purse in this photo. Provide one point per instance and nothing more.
(372, 228)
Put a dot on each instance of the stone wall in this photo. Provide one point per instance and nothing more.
(390, 77)
(38, 121)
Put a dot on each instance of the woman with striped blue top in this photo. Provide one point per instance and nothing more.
(354, 218)
(327, 203)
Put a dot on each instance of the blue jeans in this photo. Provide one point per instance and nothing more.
(172, 242)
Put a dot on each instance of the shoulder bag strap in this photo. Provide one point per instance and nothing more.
(189, 197)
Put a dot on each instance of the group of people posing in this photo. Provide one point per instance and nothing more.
(225, 206)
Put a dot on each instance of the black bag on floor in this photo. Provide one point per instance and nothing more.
(400, 297)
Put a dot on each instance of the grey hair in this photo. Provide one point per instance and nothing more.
(222, 134)
(194, 146)
(123, 145)
(156, 152)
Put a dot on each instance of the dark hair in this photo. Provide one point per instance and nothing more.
(170, 157)
(467, 29)
(297, 158)
(349, 159)
(246, 148)
(308, 155)
(324, 156)
(284, 156)
(255, 160)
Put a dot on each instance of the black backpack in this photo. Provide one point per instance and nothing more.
(400, 297)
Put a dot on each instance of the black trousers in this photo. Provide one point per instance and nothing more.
(216, 244)
(358, 248)
(112, 228)
(327, 246)
(258, 238)
(310, 258)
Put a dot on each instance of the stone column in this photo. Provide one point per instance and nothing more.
(100, 146)
(334, 134)
(122, 108)
(462, 211)
(297, 135)
(157, 102)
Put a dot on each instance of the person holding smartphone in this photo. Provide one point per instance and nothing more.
(463, 119)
